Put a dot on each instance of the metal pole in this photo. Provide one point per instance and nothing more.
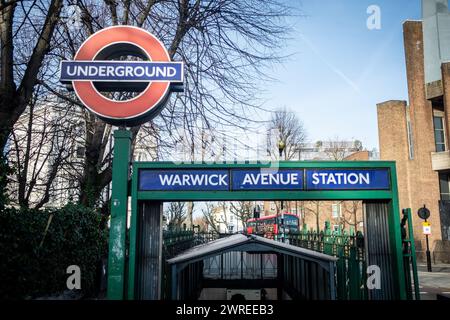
(119, 207)
(282, 208)
(413, 254)
(282, 222)
(430, 269)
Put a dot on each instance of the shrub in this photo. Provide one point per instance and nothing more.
(34, 262)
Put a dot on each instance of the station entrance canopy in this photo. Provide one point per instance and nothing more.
(152, 183)
(273, 181)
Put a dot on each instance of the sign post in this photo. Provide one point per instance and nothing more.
(96, 69)
(424, 214)
(119, 210)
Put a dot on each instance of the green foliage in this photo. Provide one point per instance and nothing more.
(34, 262)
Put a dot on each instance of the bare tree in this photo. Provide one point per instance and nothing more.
(314, 208)
(352, 214)
(225, 44)
(43, 142)
(210, 218)
(217, 215)
(176, 214)
(243, 211)
(286, 127)
(26, 33)
(337, 149)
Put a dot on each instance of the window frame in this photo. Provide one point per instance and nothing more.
(441, 116)
(338, 206)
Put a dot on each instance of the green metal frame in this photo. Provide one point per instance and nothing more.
(390, 196)
(119, 210)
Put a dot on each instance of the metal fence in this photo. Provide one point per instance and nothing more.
(176, 242)
(350, 273)
(351, 266)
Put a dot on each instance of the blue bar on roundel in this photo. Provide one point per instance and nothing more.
(111, 71)
(348, 179)
(184, 180)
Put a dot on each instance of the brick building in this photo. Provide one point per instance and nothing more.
(415, 133)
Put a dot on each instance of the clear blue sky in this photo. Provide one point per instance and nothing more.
(340, 69)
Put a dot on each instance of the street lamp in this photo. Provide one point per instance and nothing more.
(281, 148)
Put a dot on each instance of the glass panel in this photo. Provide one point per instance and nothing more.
(440, 147)
(438, 123)
(439, 136)
(443, 181)
(445, 196)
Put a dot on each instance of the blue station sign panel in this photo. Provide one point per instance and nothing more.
(263, 179)
(347, 179)
(267, 179)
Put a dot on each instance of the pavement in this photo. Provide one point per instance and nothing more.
(434, 283)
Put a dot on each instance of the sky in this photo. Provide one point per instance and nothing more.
(340, 69)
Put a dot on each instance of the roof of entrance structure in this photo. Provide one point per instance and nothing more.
(250, 243)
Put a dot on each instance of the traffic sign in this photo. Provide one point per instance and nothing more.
(424, 213)
(427, 228)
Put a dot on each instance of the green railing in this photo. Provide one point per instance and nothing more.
(349, 248)
(176, 242)
(409, 257)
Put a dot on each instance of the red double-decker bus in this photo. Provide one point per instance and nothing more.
(271, 226)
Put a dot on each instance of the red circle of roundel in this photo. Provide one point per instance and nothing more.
(147, 100)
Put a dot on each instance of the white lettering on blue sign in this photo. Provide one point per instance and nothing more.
(341, 178)
(263, 179)
(186, 180)
(267, 179)
(347, 179)
(110, 71)
(120, 71)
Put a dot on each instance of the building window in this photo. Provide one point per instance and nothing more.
(439, 132)
(336, 211)
(445, 186)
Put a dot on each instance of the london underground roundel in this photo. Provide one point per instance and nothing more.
(97, 67)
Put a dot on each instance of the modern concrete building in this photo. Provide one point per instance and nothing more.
(416, 133)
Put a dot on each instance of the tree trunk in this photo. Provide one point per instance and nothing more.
(317, 217)
(94, 180)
